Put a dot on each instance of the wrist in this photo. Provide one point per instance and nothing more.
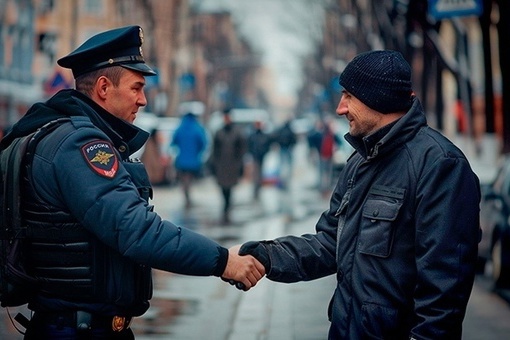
(222, 261)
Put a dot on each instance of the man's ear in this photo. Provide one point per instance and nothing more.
(102, 87)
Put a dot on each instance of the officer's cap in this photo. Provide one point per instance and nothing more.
(117, 47)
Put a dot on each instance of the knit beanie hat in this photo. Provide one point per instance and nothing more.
(379, 79)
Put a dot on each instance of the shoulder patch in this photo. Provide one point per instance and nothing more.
(101, 158)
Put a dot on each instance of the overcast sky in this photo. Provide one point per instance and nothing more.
(283, 31)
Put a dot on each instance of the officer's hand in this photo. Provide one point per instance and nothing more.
(243, 271)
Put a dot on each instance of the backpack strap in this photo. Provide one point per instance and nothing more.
(11, 231)
(10, 164)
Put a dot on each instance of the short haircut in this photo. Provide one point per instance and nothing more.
(85, 83)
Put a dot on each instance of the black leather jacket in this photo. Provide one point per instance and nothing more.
(401, 234)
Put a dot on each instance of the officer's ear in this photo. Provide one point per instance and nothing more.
(102, 87)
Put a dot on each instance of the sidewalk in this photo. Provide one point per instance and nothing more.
(209, 308)
(278, 311)
(186, 307)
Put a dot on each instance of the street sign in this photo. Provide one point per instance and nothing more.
(441, 9)
(56, 82)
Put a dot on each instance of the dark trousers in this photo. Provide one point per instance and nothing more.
(226, 192)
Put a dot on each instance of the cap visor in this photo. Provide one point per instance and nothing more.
(140, 67)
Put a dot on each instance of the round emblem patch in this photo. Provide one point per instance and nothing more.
(101, 158)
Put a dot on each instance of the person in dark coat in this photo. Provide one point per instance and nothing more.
(259, 143)
(227, 160)
(286, 139)
(402, 229)
(314, 140)
(93, 237)
(153, 159)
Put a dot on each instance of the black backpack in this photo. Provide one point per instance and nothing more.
(16, 285)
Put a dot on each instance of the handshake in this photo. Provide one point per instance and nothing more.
(242, 270)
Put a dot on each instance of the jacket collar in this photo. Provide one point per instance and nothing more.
(127, 138)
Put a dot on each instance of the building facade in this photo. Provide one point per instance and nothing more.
(198, 56)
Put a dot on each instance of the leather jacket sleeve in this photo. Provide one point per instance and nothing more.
(300, 258)
(445, 227)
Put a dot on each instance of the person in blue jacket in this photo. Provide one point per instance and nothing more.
(191, 140)
(92, 237)
(402, 229)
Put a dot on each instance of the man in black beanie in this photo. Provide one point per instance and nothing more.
(401, 231)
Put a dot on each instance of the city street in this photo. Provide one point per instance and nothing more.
(262, 65)
(186, 307)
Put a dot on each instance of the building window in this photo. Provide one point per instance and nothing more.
(93, 7)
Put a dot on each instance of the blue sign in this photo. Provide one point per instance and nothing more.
(56, 83)
(440, 9)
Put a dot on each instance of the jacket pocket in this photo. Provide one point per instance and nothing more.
(377, 229)
(381, 322)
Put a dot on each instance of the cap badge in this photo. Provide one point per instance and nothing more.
(140, 34)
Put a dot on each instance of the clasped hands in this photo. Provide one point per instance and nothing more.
(243, 271)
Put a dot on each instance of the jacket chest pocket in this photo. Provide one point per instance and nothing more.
(377, 227)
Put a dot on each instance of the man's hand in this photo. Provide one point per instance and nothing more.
(245, 270)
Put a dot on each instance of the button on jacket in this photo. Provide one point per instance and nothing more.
(401, 235)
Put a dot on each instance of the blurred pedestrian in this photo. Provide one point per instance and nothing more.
(329, 142)
(402, 229)
(259, 143)
(153, 159)
(286, 139)
(91, 235)
(227, 160)
(191, 140)
(314, 139)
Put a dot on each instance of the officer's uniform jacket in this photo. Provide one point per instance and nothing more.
(401, 235)
(82, 174)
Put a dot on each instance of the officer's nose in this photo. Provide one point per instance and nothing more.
(142, 100)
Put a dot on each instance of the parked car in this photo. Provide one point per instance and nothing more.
(494, 246)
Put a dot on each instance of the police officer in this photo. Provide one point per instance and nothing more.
(92, 236)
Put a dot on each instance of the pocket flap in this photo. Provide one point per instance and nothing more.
(381, 210)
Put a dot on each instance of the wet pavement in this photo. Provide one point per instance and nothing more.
(212, 309)
(186, 307)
